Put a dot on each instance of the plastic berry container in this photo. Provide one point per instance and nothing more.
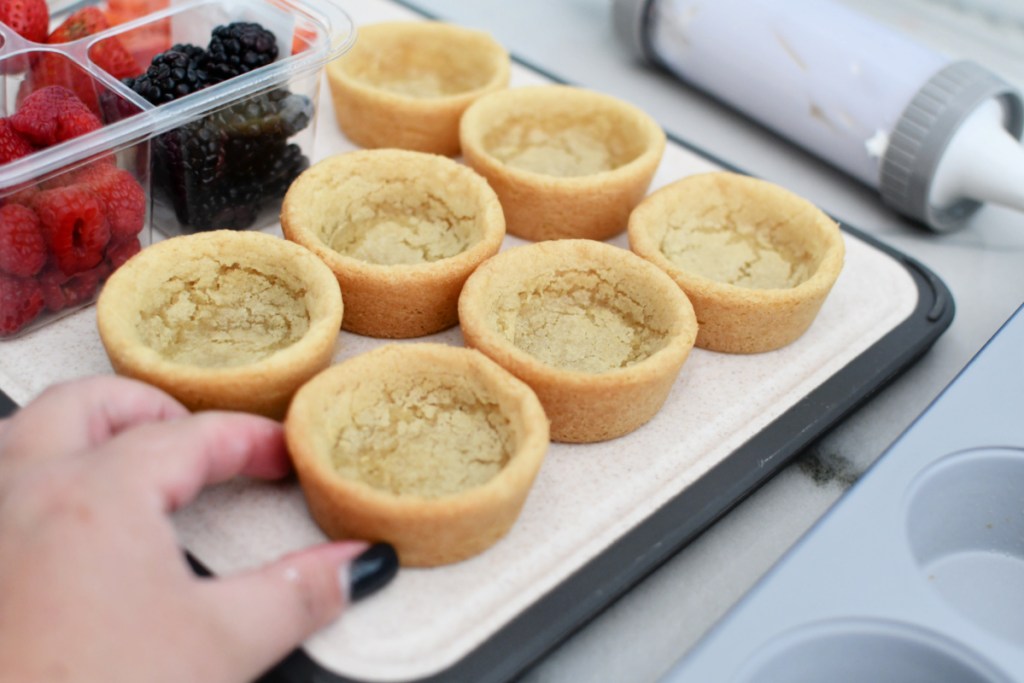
(76, 203)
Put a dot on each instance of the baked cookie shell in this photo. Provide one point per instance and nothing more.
(756, 260)
(406, 84)
(604, 296)
(395, 197)
(222, 320)
(566, 162)
(426, 528)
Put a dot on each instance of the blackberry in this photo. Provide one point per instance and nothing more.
(236, 204)
(224, 169)
(194, 52)
(238, 48)
(277, 113)
(195, 150)
(230, 207)
(256, 131)
(171, 74)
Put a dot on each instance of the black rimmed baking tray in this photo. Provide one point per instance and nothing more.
(601, 516)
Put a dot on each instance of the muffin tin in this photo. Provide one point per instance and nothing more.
(141, 138)
(599, 517)
(917, 574)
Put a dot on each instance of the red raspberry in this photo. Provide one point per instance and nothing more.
(21, 301)
(53, 114)
(61, 291)
(122, 197)
(74, 226)
(119, 252)
(12, 145)
(25, 197)
(50, 281)
(50, 68)
(22, 247)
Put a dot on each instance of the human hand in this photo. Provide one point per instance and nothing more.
(93, 584)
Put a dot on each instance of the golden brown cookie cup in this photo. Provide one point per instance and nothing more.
(597, 332)
(432, 448)
(230, 320)
(406, 84)
(565, 162)
(756, 260)
(369, 215)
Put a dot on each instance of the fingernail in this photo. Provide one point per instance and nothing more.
(371, 570)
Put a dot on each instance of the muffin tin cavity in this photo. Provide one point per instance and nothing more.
(223, 314)
(965, 525)
(582, 320)
(856, 651)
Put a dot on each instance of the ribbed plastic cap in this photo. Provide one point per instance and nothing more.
(924, 130)
(629, 18)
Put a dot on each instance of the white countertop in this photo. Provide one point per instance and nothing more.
(639, 637)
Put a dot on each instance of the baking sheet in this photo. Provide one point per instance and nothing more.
(586, 497)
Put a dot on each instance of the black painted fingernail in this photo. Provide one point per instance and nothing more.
(371, 571)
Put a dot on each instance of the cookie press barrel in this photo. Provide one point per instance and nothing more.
(937, 137)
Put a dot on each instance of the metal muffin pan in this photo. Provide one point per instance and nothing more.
(917, 574)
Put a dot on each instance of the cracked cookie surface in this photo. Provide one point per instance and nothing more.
(579, 320)
(220, 314)
(739, 253)
(426, 436)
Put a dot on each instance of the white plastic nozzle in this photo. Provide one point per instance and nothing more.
(982, 162)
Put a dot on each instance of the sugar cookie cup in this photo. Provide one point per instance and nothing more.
(400, 230)
(565, 162)
(406, 84)
(229, 320)
(756, 260)
(597, 332)
(429, 447)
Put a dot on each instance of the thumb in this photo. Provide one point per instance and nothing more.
(269, 611)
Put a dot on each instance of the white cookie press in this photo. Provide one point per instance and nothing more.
(937, 137)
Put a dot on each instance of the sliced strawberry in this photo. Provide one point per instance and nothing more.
(29, 18)
(110, 54)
